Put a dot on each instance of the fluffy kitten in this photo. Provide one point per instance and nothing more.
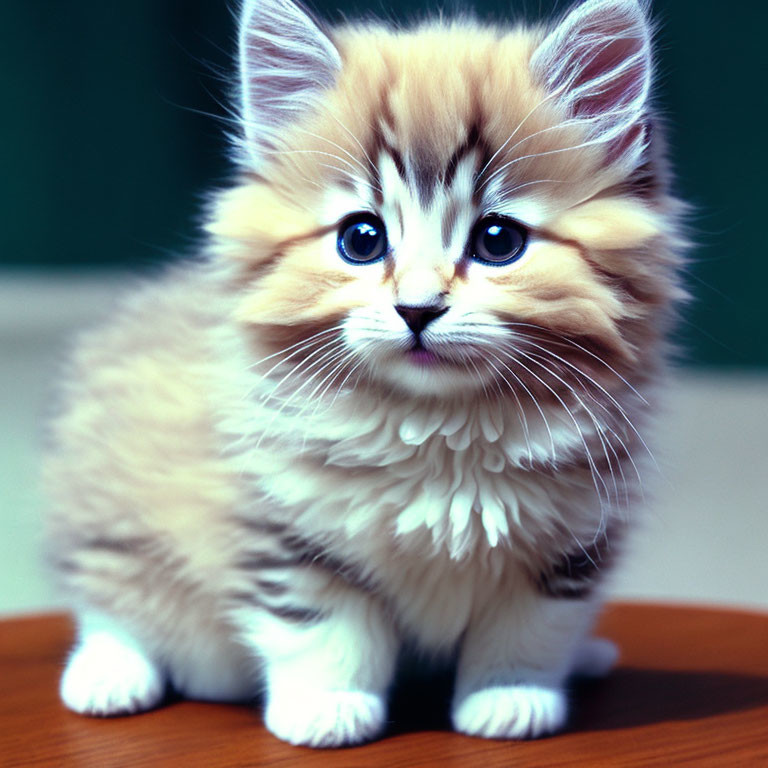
(400, 398)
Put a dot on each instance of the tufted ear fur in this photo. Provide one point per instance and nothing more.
(286, 61)
(598, 62)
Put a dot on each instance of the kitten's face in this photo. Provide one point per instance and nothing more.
(440, 222)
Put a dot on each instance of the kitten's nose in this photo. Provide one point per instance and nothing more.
(418, 318)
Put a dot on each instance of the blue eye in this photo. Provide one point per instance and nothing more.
(362, 239)
(498, 241)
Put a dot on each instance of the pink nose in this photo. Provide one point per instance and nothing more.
(418, 318)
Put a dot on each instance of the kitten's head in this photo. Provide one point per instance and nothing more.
(451, 207)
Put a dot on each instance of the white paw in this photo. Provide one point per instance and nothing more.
(511, 712)
(325, 718)
(595, 657)
(104, 677)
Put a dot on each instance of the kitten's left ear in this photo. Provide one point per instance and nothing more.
(598, 63)
(286, 62)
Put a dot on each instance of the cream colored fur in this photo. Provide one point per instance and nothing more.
(254, 487)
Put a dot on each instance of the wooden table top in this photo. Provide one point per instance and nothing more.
(691, 689)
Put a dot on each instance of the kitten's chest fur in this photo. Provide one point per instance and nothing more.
(429, 499)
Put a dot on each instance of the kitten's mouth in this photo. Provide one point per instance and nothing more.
(420, 355)
(423, 357)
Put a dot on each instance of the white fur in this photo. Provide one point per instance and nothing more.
(326, 683)
(514, 659)
(511, 712)
(325, 718)
(108, 673)
(528, 710)
(437, 466)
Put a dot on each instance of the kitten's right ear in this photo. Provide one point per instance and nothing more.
(286, 62)
(597, 62)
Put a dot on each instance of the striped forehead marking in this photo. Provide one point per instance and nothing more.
(420, 169)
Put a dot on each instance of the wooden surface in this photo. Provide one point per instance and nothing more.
(691, 689)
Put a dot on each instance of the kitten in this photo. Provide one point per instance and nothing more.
(400, 398)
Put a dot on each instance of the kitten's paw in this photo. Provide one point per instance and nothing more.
(595, 657)
(511, 712)
(326, 718)
(105, 677)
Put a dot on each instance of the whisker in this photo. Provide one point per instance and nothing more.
(523, 419)
(507, 193)
(338, 146)
(325, 154)
(352, 176)
(533, 135)
(326, 349)
(357, 141)
(292, 346)
(329, 360)
(512, 135)
(591, 142)
(619, 376)
(533, 400)
(469, 360)
(346, 378)
(324, 345)
(583, 349)
(581, 374)
(589, 413)
(319, 392)
(593, 467)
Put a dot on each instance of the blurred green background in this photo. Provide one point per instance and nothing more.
(111, 139)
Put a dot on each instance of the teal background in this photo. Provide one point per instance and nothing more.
(112, 135)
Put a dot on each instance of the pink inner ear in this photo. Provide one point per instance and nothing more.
(286, 61)
(616, 80)
(598, 62)
(270, 62)
(631, 142)
(277, 68)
